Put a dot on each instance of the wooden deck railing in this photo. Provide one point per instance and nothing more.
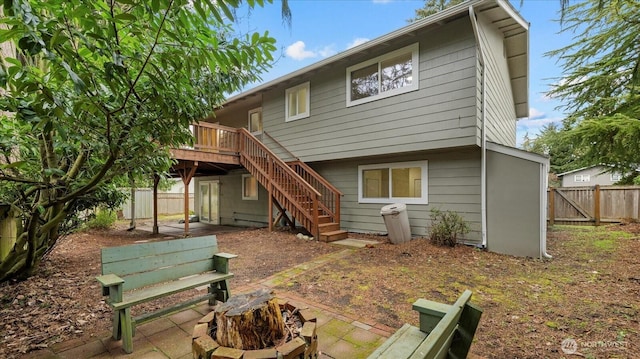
(209, 137)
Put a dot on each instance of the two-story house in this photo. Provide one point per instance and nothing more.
(590, 176)
(425, 116)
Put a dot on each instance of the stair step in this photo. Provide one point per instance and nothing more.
(324, 219)
(329, 227)
(333, 236)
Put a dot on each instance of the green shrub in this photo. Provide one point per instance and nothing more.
(103, 219)
(446, 226)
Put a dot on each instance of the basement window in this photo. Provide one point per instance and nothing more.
(249, 188)
(404, 182)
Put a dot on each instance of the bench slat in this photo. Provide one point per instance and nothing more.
(135, 266)
(401, 344)
(140, 280)
(147, 294)
(133, 251)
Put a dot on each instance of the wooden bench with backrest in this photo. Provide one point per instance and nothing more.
(446, 331)
(139, 273)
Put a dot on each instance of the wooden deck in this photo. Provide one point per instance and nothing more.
(294, 188)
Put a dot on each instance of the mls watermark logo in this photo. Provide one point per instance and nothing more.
(571, 346)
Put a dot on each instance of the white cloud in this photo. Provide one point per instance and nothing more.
(357, 41)
(327, 51)
(535, 113)
(297, 51)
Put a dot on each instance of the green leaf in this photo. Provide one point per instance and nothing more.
(78, 84)
(14, 165)
(126, 17)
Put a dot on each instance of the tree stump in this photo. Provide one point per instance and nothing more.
(249, 321)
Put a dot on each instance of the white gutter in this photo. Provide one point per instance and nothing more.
(483, 141)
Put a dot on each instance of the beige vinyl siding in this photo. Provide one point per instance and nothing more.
(441, 114)
(233, 209)
(500, 111)
(453, 184)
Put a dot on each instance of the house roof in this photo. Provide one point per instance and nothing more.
(499, 12)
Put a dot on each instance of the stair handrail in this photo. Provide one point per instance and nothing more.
(272, 159)
(325, 201)
(317, 176)
(280, 145)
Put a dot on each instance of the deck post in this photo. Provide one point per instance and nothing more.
(186, 173)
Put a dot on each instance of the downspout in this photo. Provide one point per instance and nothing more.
(544, 206)
(483, 140)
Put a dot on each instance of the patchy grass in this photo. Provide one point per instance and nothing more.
(587, 292)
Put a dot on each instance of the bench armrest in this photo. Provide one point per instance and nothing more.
(221, 262)
(430, 313)
(111, 286)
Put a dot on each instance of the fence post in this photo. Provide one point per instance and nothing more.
(552, 206)
(596, 204)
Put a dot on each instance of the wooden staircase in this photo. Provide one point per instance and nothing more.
(294, 188)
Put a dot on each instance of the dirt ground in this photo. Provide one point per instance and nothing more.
(588, 293)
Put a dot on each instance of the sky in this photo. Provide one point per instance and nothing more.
(322, 28)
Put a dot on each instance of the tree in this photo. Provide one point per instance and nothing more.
(600, 90)
(552, 142)
(433, 6)
(98, 88)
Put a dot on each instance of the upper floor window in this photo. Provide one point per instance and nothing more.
(255, 121)
(387, 75)
(615, 177)
(404, 182)
(297, 102)
(582, 178)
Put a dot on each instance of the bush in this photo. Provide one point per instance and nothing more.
(446, 226)
(104, 219)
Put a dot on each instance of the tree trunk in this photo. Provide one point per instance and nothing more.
(249, 321)
(132, 182)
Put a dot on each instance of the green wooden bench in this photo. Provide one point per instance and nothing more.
(446, 331)
(139, 273)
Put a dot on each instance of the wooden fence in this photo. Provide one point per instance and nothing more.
(593, 205)
(168, 203)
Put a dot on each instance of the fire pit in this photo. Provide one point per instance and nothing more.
(255, 325)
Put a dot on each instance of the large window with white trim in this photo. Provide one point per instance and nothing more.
(404, 182)
(387, 75)
(297, 102)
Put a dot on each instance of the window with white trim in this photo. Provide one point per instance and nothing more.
(387, 75)
(615, 177)
(404, 182)
(249, 188)
(255, 121)
(582, 178)
(297, 102)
